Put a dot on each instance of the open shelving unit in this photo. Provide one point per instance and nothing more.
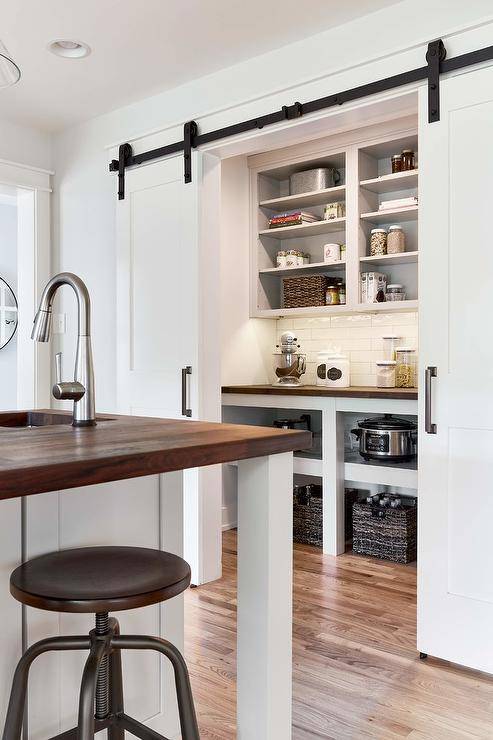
(365, 182)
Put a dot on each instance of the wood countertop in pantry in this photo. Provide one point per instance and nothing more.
(355, 391)
(41, 451)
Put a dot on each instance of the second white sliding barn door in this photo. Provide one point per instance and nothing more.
(455, 560)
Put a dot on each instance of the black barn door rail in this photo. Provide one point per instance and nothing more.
(437, 64)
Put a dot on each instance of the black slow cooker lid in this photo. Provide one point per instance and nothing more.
(388, 422)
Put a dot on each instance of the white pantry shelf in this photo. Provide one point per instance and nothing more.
(403, 475)
(305, 200)
(299, 230)
(391, 306)
(301, 466)
(391, 215)
(303, 269)
(404, 258)
(392, 183)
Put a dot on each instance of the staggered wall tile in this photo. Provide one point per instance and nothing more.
(359, 336)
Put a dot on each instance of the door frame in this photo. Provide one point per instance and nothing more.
(32, 187)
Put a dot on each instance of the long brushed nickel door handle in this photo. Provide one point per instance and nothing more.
(185, 410)
(430, 427)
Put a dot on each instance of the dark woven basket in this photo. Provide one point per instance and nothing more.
(385, 533)
(307, 290)
(307, 515)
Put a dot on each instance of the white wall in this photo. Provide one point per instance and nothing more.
(8, 271)
(384, 43)
(25, 145)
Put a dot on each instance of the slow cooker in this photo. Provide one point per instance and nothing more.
(387, 438)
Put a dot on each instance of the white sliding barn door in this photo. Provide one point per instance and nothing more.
(167, 288)
(455, 561)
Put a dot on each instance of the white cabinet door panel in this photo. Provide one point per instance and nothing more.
(455, 560)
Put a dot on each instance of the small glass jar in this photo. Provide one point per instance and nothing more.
(395, 292)
(378, 242)
(343, 251)
(386, 374)
(390, 344)
(342, 293)
(396, 162)
(405, 369)
(332, 295)
(408, 160)
(396, 240)
(306, 258)
(281, 259)
(292, 258)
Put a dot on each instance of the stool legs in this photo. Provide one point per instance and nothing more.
(15, 711)
(188, 719)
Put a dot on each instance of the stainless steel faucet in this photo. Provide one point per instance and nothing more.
(80, 390)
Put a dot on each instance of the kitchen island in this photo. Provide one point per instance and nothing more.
(40, 451)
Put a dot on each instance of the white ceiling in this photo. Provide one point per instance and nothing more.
(142, 47)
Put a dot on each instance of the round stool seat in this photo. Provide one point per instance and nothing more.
(99, 579)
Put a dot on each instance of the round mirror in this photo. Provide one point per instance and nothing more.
(8, 313)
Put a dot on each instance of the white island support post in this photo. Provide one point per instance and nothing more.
(265, 601)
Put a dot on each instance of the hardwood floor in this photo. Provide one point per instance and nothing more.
(356, 670)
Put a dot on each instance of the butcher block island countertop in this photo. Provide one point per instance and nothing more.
(41, 451)
(354, 391)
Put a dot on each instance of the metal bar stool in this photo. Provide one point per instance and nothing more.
(100, 580)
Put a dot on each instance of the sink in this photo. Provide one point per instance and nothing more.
(25, 419)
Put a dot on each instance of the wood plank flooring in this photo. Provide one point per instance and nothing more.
(356, 670)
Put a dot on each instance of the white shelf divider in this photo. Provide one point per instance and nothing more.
(404, 258)
(310, 229)
(392, 183)
(390, 215)
(403, 475)
(302, 269)
(305, 200)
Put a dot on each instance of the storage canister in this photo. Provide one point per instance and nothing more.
(390, 344)
(332, 294)
(378, 242)
(396, 240)
(332, 252)
(292, 258)
(396, 163)
(405, 369)
(307, 181)
(386, 374)
(333, 370)
(408, 160)
(281, 259)
(395, 292)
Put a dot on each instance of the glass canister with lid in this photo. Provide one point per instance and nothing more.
(386, 374)
(378, 242)
(405, 369)
(396, 240)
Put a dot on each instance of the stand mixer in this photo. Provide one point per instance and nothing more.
(289, 364)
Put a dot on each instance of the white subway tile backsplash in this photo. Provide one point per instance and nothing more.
(359, 336)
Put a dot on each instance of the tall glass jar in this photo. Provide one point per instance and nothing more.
(378, 242)
(396, 240)
(405, 369)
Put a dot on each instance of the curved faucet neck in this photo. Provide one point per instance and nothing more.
(83, 300)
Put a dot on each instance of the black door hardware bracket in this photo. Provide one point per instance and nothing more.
(434, 56)
(436, 64)
(190, 132)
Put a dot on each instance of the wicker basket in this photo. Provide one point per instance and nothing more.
(307, 515)
(307, 290)
(385, 533)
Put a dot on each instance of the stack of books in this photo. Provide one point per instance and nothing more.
(291, 218)
(399, 203)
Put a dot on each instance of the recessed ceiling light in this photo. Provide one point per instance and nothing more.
(69, 48)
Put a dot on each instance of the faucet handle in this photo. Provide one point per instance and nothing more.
(58, 367)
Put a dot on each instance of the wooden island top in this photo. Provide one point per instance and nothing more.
(41, 451)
